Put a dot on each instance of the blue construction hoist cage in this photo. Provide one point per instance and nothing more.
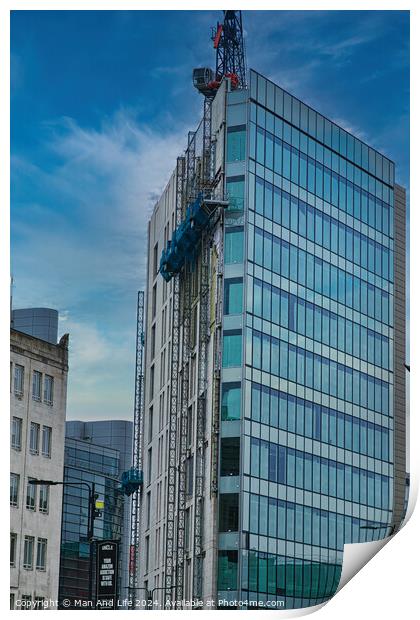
(186, 237)
(131, 481)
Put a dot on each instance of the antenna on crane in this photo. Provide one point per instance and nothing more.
(228, 42)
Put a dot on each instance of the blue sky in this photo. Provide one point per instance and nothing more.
(101, 104)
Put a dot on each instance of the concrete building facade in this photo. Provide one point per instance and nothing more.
(38, 410)
(289, 440)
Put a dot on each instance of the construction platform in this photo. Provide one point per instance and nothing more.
(185, 240)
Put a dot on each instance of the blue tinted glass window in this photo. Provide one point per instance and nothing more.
(233, 296)
(232, 349)
(231, 401)
(234, 245)
(236, 141)
(235, 187)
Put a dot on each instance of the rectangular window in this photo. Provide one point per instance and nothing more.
(269, 149)
(16, 439)
(190, 475)
(48, 389)
(41, 554)
(235, 187)
(234, 245)
(227, 570)
(30, 496)
(152, 381)
(236, 139)
(154, 295)
(147, 511)
(232, 348)
(153, 342)
(26, 601)
(229, 462)
(28, 552)
(228, 512)
(149, 466)
(13, 545)
(44, 498)
(286, 161)
(14, 489)
(46, 441)
(155, 258)
(18, 380)
(231, 401)
(34, 438)
(233, 296)
(150, 424)
(36, 385)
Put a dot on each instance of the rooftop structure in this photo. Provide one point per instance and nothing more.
(39, 322)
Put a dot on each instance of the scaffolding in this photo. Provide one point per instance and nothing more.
(203, 339)
(173, 405)
(185, 382)
(188, 256)
(217, 364)
(131, 480)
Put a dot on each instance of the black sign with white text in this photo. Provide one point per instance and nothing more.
(106, 573)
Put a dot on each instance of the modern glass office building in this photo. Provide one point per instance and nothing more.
(310, 438)
(116, 434)
(85, 462)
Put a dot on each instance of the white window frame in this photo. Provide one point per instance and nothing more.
(28, 599)
(34, 438)
(48, 392)
(46, 431)
(13, 547)
(18, 380)
(16, 434)
(29, 544)
(36, 385)
(44, 498)
(16, 486)
(41, 554)
(31, 495)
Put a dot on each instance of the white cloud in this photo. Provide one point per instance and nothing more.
(108, 180)
(81, 247)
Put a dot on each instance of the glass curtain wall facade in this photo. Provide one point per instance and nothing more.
(88, 463)
(307, 349)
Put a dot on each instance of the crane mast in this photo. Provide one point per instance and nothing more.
(132, 480)
(198, 210)
(228, 41)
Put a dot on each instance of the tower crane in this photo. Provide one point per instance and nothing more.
(228, 41)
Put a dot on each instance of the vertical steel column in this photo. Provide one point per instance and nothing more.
(137, 449)
(217, 365)
(186, 355)
(173, 405)
(201, 417)
(203, 338)
(182, 441)
(206, 168)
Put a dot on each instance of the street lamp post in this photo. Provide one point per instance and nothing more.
(91, 517)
